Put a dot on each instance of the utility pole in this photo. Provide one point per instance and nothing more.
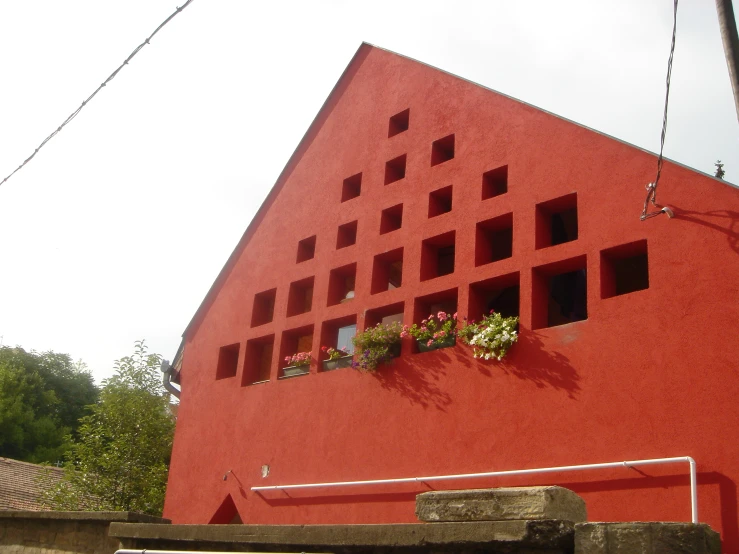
(727, 24)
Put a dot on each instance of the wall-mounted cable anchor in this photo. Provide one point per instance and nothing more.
(652, 197)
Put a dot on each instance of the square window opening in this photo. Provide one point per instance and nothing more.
(228, 361)
(494, 239)
(495, 182)
(387, 271)
(300, 298)
(352, 187)
(263, 309)
(624, 269)
(500, 294)
(347, 235)
(442, 150)
(306, 249)
(556, 221)
(440, 201)
(395, 169)
(432, 304)
(341, 284)
(258, 360)
(560, 293)
(437, 256)
(293, 342)
(399, 123)
(384, 314)
(338, 334)
(391, 219)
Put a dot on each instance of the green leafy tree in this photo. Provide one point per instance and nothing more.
(42, 397)
(121, 459)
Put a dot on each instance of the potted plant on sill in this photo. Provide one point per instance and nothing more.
(337, 358)
(436, 331)
(378, 345)
(297, 364)
(492, 337)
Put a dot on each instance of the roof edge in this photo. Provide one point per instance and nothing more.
(356, 61)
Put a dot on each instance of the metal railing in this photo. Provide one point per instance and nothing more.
(581, 467)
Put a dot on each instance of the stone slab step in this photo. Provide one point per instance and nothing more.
(646, 538)
(501, 504)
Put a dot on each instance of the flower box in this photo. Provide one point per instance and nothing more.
(338, 363)
(436, 345)
(294, 370)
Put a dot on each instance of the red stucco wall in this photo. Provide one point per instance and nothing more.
(649, 374)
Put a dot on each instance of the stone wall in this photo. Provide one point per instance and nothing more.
(63, 532)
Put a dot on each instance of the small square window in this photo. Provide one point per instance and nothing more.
(440, 201)
(494, 239)
(347, 235)
(293, 342)
(387, 271)
(624, 269)
(399, 123)
(352, 187)
(228, 361)
(556, 221)
(442, 150)
(499, 294)
(258, 360)
(300, 297)
(395, 169)
(437, 256)
(263, 309)
(391, 219)
(560, 293)
(384, 314)
(495, 182)
(338, 334)
(341, 282)
(444, 301)
(306, 249)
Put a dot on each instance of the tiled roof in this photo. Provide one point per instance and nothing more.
(20, 484)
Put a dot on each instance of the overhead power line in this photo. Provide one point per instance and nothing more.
(108, 80)
(652, 187)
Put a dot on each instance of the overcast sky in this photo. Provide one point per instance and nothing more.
(117, 229)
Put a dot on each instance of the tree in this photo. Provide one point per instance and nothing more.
(121, 458)
(42, 397)
(719, 169)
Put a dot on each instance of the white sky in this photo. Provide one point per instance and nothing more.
(117, 229)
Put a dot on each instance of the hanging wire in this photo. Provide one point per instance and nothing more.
(108, 80)
(652, 187)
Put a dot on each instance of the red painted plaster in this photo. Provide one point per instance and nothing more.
(649, 374)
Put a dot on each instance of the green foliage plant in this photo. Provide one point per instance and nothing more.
(121, 459)
(435, 330)
(492, 337)
(42, 398)
(377, 345)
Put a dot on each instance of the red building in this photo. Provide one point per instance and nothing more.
(415, 190)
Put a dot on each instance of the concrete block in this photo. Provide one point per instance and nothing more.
(503, 504)
(646, 538)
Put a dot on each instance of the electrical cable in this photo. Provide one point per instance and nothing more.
(108, 80)
(652, 187)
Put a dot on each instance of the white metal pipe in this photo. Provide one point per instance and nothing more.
(581, 467)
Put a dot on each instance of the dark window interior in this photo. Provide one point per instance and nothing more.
(263, 309)
(306, 249)
(352, 187)
(347, 235)
(399, 123)
(228, 360)
(387, 271)
(442, 150)
(495, 182)
(391, 219)
(440, 201)
(395, 169)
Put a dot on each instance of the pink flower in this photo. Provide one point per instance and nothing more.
(455, 315)
(424, 322)
(287, 358)
(441, 315)
(424, 329)
(429, 343)
(492, 311)
(436, 335)
(324, 348)
(442, 334)
(403, 334)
